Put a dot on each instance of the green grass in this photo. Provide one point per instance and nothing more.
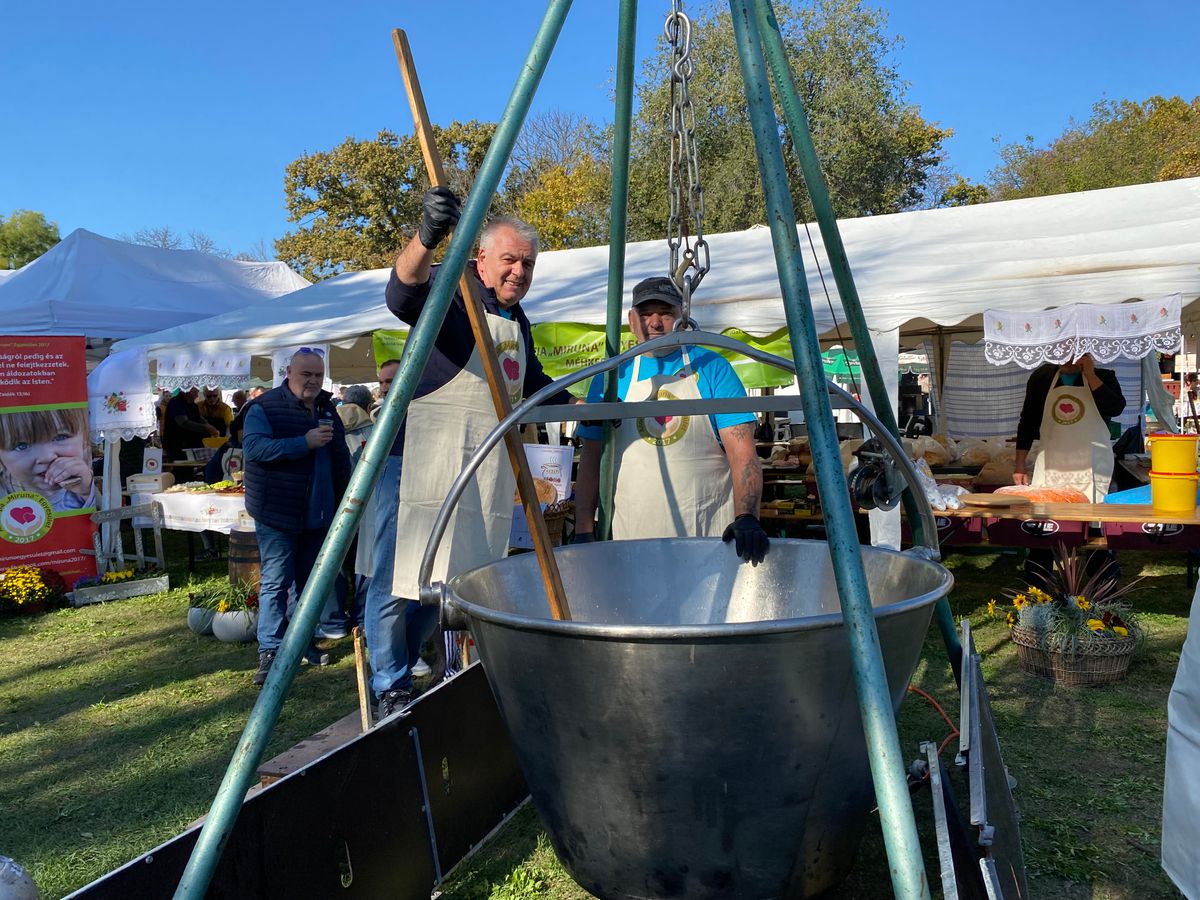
(116, 724)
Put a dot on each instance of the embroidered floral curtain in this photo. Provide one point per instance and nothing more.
(228, 371)
(1127, 330)
(120, 400)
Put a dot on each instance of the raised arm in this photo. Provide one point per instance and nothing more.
(439, 214)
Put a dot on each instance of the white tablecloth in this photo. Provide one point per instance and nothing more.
(183, 511)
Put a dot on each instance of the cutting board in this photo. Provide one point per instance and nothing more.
(995, 500)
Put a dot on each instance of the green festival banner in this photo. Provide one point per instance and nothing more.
(565, 347)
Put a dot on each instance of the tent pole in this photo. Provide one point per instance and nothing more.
(228, 801)
(875, 702)
(618, 220)
(797, 122)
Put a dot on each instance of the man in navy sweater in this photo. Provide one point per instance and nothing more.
(450, 413)
(297, 468)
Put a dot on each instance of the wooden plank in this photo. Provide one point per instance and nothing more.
(311, 749)
(551, 578)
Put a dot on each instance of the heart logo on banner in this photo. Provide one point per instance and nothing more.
(22, 515)
(663, 420)
(512, 369)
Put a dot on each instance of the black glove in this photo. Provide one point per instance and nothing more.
(439, 214)
(580, 538)
(748, 537)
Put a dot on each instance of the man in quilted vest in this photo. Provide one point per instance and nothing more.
(297, 468)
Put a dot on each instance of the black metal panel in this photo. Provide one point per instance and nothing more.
(357, 812)
(473, 775)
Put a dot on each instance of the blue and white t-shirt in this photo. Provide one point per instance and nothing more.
(714, 377)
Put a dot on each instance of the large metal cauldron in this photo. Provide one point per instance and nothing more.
(694, 732)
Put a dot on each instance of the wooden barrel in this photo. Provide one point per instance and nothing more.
(244, 561)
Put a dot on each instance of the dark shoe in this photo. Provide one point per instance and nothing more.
(265, 660)
(392, 701)
(314, 656)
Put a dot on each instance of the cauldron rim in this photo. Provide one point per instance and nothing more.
(691, 633)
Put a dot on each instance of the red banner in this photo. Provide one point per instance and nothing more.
(47, 490)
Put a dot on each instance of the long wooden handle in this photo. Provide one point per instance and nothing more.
(551, 577)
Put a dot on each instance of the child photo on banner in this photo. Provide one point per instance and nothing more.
(47, 489)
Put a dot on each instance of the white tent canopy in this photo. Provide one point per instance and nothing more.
(913, 271)
(102, 288)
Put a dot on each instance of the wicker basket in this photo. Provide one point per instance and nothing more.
(1091, 661)
(555, 515)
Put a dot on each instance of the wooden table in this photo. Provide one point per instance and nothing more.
(1046, 525)
(1076, 512)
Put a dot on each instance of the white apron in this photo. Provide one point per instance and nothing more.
(1075, 444)
(444, 428)
(1181, 787)
(672, 477)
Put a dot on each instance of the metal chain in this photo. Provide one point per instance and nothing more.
(683, 172)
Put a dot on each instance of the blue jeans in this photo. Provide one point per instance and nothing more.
(396, 628)
(288, 557)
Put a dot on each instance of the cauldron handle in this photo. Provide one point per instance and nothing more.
(435, 594)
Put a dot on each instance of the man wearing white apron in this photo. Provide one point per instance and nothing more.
(675, 476)
(448, 418)
(1181, 788)
(1069, 407)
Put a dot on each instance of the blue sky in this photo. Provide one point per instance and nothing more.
(129, 115)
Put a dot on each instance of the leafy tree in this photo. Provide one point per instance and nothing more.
(961, 192)
(357, 203)
(1123, 142)
(559, 180)
(24, 236)
(875, 149)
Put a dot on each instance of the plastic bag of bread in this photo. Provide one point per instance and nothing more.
(974, 452)
(949, 443)
(996, 472)
(931, 451)
(1044, 494)
(779, 453)
(849, 460)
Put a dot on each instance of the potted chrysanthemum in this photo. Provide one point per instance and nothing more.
(30, 589)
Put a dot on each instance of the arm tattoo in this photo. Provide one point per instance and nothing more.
(747, 474)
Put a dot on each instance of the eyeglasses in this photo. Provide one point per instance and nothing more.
(316, 351)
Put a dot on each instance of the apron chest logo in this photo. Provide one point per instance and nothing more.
(662, 431)
(507, 352)
(1067, 410)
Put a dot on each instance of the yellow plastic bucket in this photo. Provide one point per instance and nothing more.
(1173, 493)
(1172, 453)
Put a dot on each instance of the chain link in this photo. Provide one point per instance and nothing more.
(686, 216)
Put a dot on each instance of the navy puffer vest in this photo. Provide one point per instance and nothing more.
(277, 492)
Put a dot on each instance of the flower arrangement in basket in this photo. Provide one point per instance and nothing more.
(31, 589)
(1081, 631)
